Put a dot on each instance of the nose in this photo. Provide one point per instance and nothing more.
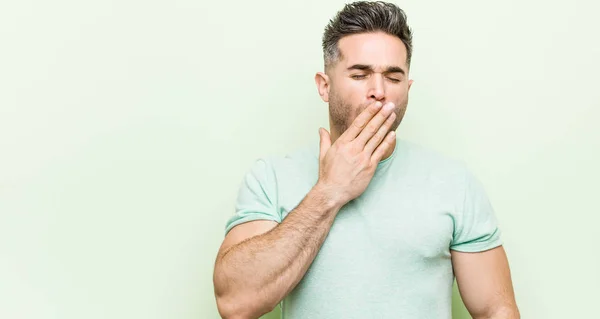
(376, 88)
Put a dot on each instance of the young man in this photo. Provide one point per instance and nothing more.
(365, 225)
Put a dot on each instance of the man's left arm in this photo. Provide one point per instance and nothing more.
(485, 284)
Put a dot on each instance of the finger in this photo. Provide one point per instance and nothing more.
(380, 135)
(325, 142)
(374, 124)
(385, 145)
(361, 121)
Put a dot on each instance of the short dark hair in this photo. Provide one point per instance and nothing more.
(363, 17)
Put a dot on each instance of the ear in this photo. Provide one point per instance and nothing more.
(410, 82)
(322, 81)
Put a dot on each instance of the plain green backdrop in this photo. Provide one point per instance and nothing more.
(126, 128)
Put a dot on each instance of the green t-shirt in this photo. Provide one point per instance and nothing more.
(387, 254)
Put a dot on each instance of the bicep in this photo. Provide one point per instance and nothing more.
(245, 231)
(484, 280)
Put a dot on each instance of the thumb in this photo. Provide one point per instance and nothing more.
(325, 142)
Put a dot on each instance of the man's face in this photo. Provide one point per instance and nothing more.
(372, 68)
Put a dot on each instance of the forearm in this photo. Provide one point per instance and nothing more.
(257, 273)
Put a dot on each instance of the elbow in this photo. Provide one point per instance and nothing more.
(228, 305)
(234, 302)
(241, 307)
(507, 313)
(228, 310)
(502, 313)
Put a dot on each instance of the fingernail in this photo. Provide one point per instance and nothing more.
(377, 104)
(389, 106)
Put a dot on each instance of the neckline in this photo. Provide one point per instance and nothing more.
(389, 158)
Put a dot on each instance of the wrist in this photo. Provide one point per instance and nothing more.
(329, 197)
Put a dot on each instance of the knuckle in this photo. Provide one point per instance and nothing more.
(371, 129)
(379, 136)
(382, 146)
(359, 124)
(365, 160)
(354, 148)
(346, 149)
(336, 147)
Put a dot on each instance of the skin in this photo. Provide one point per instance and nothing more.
(372, 68)
(260, 262)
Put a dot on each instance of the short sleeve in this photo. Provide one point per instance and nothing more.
(476, 227)
(257, 196)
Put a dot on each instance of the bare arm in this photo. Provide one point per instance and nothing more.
(485, 284)
(260, 271)
(255, 269)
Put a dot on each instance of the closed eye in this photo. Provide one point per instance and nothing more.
(358, 76)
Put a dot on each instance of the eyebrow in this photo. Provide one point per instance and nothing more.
(388, 69)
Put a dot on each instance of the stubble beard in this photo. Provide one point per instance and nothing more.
(341, 117)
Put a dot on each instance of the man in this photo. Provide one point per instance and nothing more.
(366, 225)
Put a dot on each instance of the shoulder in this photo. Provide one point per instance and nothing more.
(300, 159)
